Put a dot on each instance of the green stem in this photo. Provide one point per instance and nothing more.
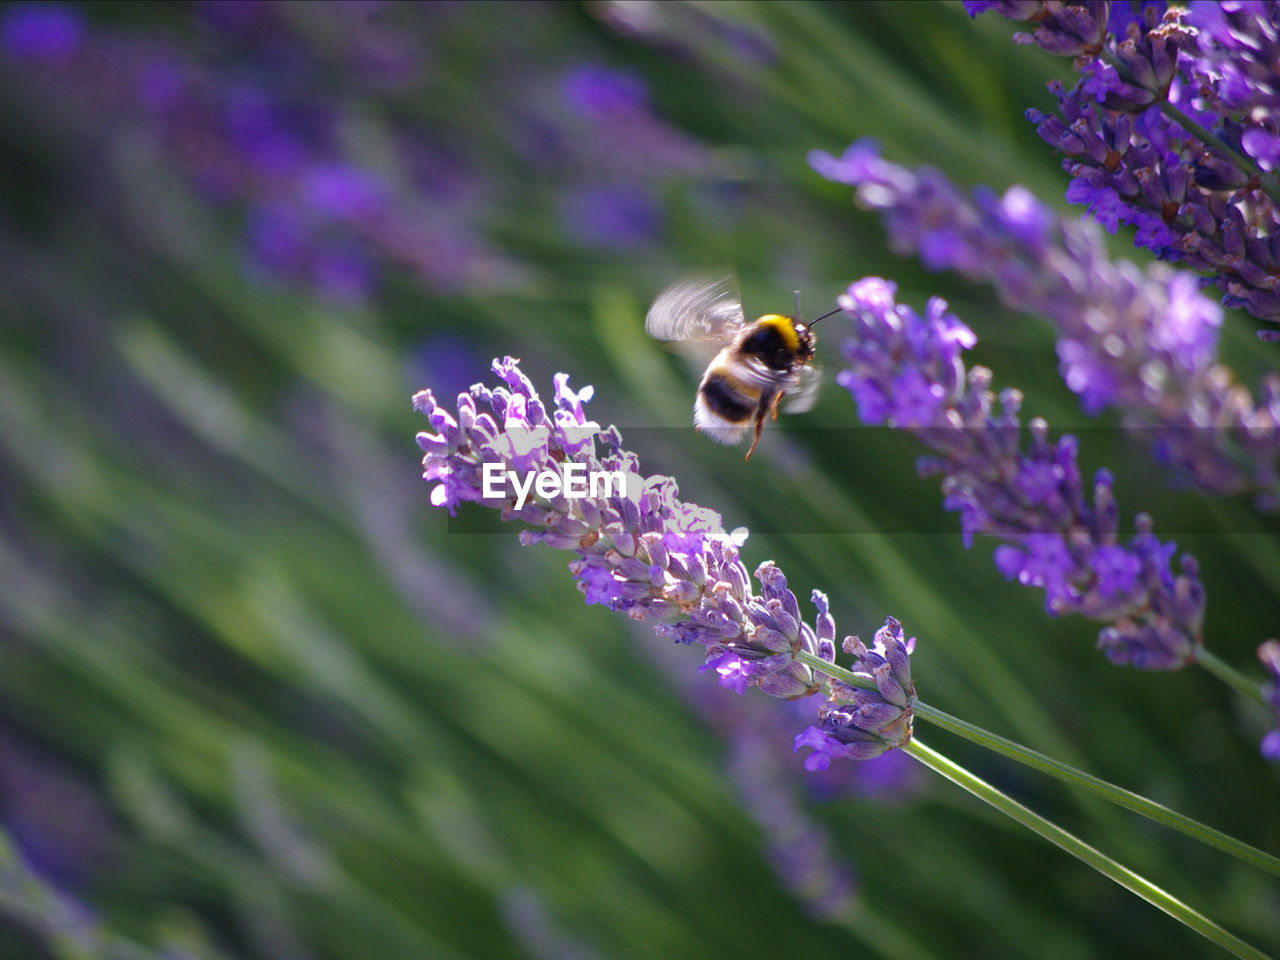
(1109, 791)
(1073, 845)
(1069, 774)
(1230, 676)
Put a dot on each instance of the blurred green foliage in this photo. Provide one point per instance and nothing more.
(258, 700)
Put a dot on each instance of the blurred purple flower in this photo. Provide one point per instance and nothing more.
(342, 192)
(40, 32)
(160, 83)
(276, 239)
(598, 91)
(1034, 497)
(688, 32)
(244, 120)
(612, 217)
(343, 274)
(59, 823)
(235, 126)
(799, 848)
(275, 142)
(605, 131)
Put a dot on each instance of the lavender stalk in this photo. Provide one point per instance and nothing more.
(906, 370)
(1141, 342)
(641, 551)
(1172, 129)
(647, 554)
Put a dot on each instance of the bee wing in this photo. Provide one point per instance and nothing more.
(698, 308)
(804, 394)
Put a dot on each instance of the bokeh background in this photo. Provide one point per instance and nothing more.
(258, 700)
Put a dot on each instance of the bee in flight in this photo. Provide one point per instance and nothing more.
(758, 363)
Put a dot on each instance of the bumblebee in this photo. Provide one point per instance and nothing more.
(757, 365)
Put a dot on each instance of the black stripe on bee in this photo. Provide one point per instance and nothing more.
(778, 342)
(771, 346)
(726, 400)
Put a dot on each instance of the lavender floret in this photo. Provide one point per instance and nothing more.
(1238, 47)
(860, 723)
(644, 553)
(1033, 496)
(1142, 342)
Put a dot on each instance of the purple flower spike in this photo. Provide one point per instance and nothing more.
(640, 550)
(1032, 495)
(1202, 193)
(1269, 654)
(862, 724)
(1142, 342)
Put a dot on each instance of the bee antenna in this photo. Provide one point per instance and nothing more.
(825, 315)
(797, 305)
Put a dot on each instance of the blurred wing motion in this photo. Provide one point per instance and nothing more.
(804, 395)
(699, 308)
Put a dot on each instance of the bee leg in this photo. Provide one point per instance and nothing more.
(759, 427)
(773, 406)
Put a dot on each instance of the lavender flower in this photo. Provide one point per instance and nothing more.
(313, 217)
(321, 208)
(1068, 30)
(1238, 48)
(1143, 342)
(616, 151)
(860, 723)
(1172, 129)
(613, 218)
(643, 552)
(1269, 654)
(906, 370)
(61, 827)
(599, 91)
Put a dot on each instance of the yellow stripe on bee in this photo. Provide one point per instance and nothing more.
(785, 326)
